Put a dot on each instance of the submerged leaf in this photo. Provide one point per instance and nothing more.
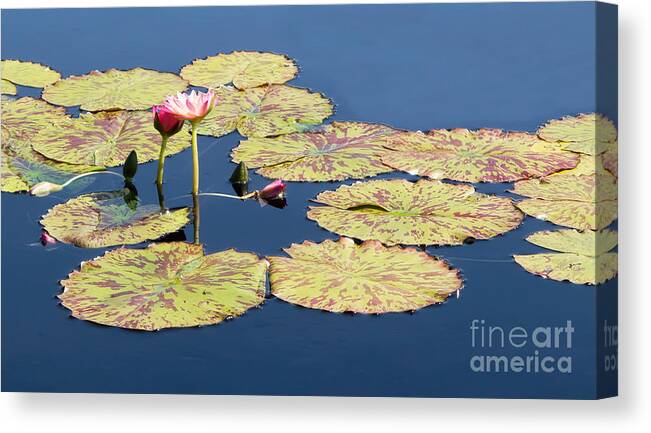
(337, 151)
(135, 89)
(104, 219)
(423, 213)
(583, 257)
(244, 69)
(368, 278)
(591, 134)
(265, 111)
(485, 155)
(25, 117)
(107, 138)
(28, 73)
(7, 87)
(166, 285)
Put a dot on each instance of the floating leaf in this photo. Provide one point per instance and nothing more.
(423, 213)
(610, 161)
(485, 155)
(337, 151)
(265, 111)
(107, 138)
(7, 87)
(10, 180)
(104, 219)
(580, 202)
(135, 89)
(28, 73)
(368, 278)
(244, 69)
(166, 285)
(591, 134)
(583, 257)
(25, 117)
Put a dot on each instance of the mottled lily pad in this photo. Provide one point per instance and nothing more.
(427, 212)
(368, 278)
(25, 117)
(107, 138)
(7, 87)
(28, 73)
(591, 133)
(265, 111)
(135, 89)
(244, 69)
(581, 202)
(104, 219)
(485, 155)
(338, 151)
(609, 160)
(583, 257)
(166, 285)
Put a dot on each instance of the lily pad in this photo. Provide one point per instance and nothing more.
(25, 117)
(591, 133)
(427, 212)
(338, 151)
(265, 111)
(610, 161)
(104, 219)
(166, 285)
(28, 73)
(7, 87)
(134, 89)
(368, 278)
(244, 69)
(583, 257)
(485, 155)
(580, 202)
(107, 138)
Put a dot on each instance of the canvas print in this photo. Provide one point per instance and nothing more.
(352, 200)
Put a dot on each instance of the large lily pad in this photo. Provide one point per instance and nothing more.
(427, 212)
(107, 138)
(134, 89)
(337, 151)
(583, 257)
(609, 160)
(104, 219)
(25, 117)
(591, 133)
(7, 87)
(265, 111)
(28, 73)
(244, 69)
(368, 278)
(485, 155)
(581, 202)
(166, 285)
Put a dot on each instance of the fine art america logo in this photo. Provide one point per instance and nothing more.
(544, 349)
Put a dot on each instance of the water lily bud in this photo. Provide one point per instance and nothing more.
(165, 122)
(43, 189)
(275, 190)
(47, 239)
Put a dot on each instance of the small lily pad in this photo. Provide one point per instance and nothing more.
(134, 89)
(368, 278)
(107, 138)
(166, 285)
(25, 117)
(581, 202)
(485, 155)
(427, 212)
(104, 219)
(28, 73)
(338, 151)
(582, 258)
(7, 87)
(265, 111)
(591, 133)
(243, 69)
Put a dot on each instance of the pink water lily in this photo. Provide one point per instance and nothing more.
(275, 190)
(193, 106)
(166, 122)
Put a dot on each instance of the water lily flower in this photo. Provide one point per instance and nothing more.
(274, 191)
(43, 189)
(47, 239)
(193, 106)
(166, 122)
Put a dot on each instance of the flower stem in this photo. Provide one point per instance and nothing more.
(161, 162)
(197, 217)
(195, 158)
(69, 181)
(218, 194)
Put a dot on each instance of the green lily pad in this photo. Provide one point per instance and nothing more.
(338, 151)
(368, 278)
(134, 89)
(28, 73)
(610, 161)
(427, 212)
(7, 87)
(244, 69)
(25, 117)
(485, 155)
(166, 285)
(104, 219)
(583, 257)
(265, 111)
(591, 133)
(581, 202)
(107, 138)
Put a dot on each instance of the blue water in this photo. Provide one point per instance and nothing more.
(419, 67)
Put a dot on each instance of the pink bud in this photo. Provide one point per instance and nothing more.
(47, 239)
(42, 189)
(165, 121)
(275, 190)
